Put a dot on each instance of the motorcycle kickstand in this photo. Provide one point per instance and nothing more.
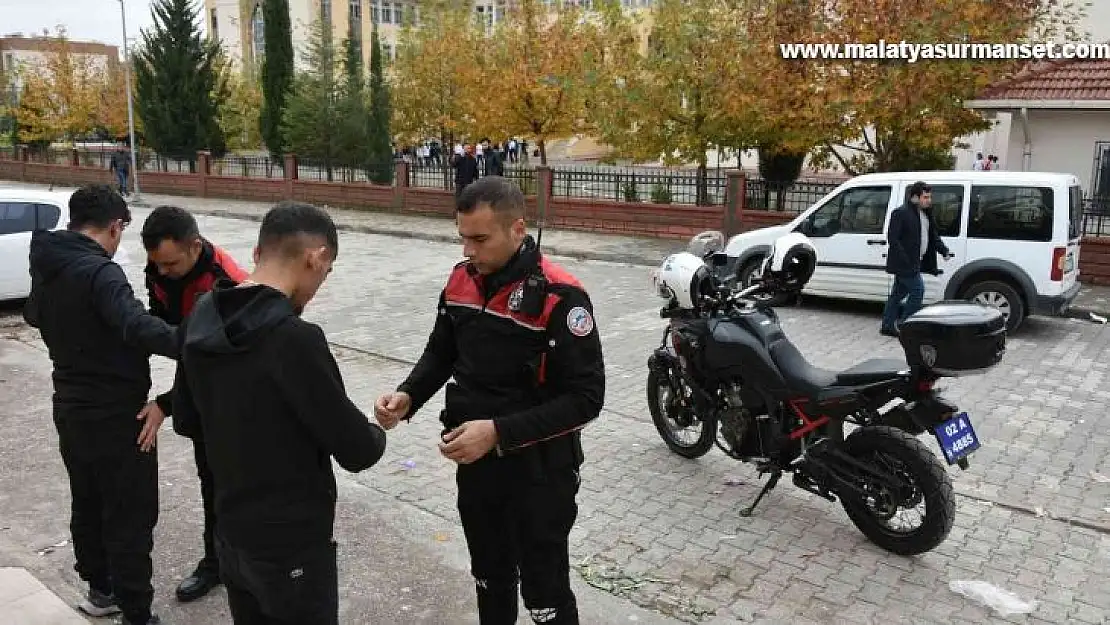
(771, 483)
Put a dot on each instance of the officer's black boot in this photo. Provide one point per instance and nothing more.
(567, 614)
(497, 602)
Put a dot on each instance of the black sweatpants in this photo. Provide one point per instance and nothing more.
(211, 562)
(517, 521)
(297, 588)
(114, 488)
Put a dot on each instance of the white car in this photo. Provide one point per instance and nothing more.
(23, 211)
(1014, 236)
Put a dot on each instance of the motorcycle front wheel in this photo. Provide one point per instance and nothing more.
(672, 420)
(895, 452)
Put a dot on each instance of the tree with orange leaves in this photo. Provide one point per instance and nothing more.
(60, 96)
(905, 115)
(111, 111)
(536, 74)
(434, 81)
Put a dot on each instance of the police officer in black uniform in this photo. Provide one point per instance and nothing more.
(517, 333)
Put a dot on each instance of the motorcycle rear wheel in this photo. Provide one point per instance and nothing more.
(656, 395)
(908, 457)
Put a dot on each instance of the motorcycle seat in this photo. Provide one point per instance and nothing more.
(870, 371)
(799, 374)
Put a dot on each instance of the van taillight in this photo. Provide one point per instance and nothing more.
(1059, 257)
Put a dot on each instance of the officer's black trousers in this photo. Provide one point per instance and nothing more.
(517, 524)
(296, 588)
(210, 563)
(114, 488)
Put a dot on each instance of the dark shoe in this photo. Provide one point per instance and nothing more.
(153, 620)
(888, 332)
(197, 585)
(99, 604)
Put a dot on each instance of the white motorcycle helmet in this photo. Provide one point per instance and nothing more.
(682, 278)
(790, 263)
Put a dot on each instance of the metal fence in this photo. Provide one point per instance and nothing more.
(1096, 216)
(595, 182)
(247, 167)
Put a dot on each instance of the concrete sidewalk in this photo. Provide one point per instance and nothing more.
(27, 601)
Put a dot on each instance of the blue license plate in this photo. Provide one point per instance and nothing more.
(957, 438)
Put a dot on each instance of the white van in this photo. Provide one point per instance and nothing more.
(1015, 237)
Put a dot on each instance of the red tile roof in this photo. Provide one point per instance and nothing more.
(1066, 79)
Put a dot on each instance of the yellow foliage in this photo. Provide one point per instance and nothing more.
(435, 83)
(239, 111)
(537, 73)
(61, 97)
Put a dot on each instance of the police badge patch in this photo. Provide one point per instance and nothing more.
(516, 297)
(579, 321)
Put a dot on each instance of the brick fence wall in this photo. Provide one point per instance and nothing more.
(666, 221)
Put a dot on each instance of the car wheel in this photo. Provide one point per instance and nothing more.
(751, 270)
(1001, 296)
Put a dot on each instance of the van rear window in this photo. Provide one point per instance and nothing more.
(1075, 222)
(1018, 213)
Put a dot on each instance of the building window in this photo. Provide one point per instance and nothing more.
(258, 28)
(214, 26)
(375, 12)
(1100, 178)
(325, 11)
(355, 9)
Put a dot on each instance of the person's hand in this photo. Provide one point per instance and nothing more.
(469, 442)
(154, 417)
(391, 408)
(949, 256)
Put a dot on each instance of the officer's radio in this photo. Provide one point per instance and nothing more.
(534, 294)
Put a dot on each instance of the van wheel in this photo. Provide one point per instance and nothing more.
(749, 271)
(1001, 296)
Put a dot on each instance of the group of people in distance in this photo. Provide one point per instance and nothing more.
(257, 390)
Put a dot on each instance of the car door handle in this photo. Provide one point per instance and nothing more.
(876, 241)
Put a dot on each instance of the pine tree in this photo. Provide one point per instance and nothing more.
(309, 122)
(379, 145)
(277, 72)
(175, 79)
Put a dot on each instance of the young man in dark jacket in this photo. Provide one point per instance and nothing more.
(181, 266)
(100, 340)
(466, 169)
(262, 385)
(914, 242)
(517, 334)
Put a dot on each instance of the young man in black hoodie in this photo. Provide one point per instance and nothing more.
(267, 393)
(100, 338)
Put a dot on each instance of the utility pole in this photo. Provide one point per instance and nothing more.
(130, 109)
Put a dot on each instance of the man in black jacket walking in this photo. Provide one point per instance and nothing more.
(466, 169)
(100, 339)
(914, 243)
(517, 333)
(263, 387)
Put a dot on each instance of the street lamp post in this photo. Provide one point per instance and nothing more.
(130, 111)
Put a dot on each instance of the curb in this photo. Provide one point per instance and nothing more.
(577, 254)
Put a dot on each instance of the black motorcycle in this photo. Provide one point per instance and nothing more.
(729, 371)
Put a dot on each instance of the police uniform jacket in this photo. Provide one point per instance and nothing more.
(523, 349)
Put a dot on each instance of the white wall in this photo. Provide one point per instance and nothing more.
(1062, 141)
(228, 25)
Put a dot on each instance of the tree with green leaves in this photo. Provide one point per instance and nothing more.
(673, 102)
(277, 72)
(309, 122)
(352, 110)
(175, 79)
(379, 137)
